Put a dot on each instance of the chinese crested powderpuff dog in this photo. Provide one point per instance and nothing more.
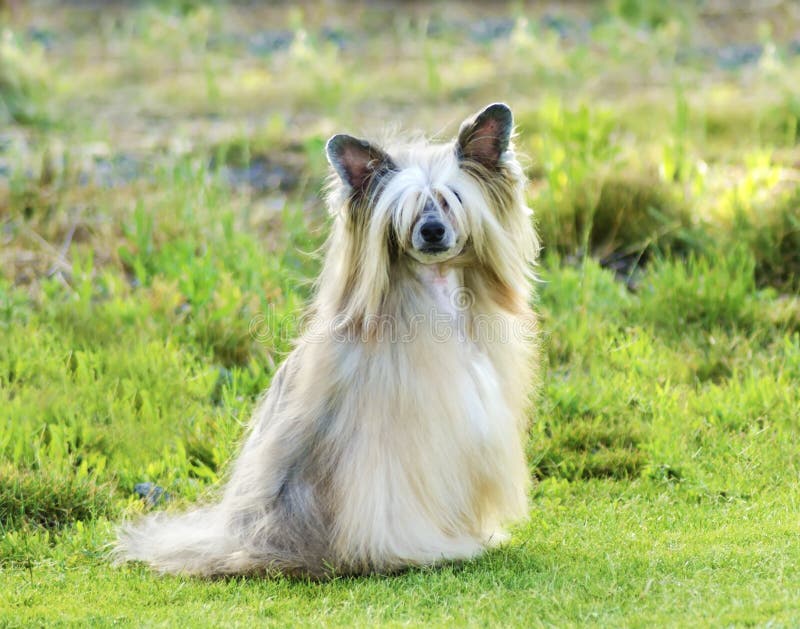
(393, 434)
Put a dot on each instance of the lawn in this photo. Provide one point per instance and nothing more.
(160, 215)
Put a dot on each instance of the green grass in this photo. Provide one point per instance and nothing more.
(160, 168)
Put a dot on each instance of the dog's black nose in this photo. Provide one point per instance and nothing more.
(432, 232)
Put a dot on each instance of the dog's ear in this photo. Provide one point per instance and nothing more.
(485, 136)
(356, 161)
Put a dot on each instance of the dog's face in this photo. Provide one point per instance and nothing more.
(426, 201)
(436, 235)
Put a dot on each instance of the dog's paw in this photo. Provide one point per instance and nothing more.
(497, 538)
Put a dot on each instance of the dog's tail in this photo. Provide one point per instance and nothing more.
(263, 521)
(195, 543)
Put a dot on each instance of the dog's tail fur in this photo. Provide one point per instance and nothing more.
(191, 543)
(204, 542)
(265, 520)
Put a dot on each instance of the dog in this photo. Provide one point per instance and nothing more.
(393, 434)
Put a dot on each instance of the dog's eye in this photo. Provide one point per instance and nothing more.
(458, 196)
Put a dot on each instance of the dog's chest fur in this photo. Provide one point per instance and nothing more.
(445, 287)
(434, 437)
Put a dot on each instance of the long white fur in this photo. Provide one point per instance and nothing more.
(383, 453)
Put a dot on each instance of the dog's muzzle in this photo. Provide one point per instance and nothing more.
(432, 233)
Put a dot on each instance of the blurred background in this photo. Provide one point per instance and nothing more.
(643, 120)
(160, 174)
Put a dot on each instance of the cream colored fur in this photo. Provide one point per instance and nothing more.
(393, 435)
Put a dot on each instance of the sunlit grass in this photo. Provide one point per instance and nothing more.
(160, 169)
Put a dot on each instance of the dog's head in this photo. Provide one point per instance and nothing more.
(431, 198)
(460, 202)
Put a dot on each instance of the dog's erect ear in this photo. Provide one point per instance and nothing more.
(357, 161)
(484, 137)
